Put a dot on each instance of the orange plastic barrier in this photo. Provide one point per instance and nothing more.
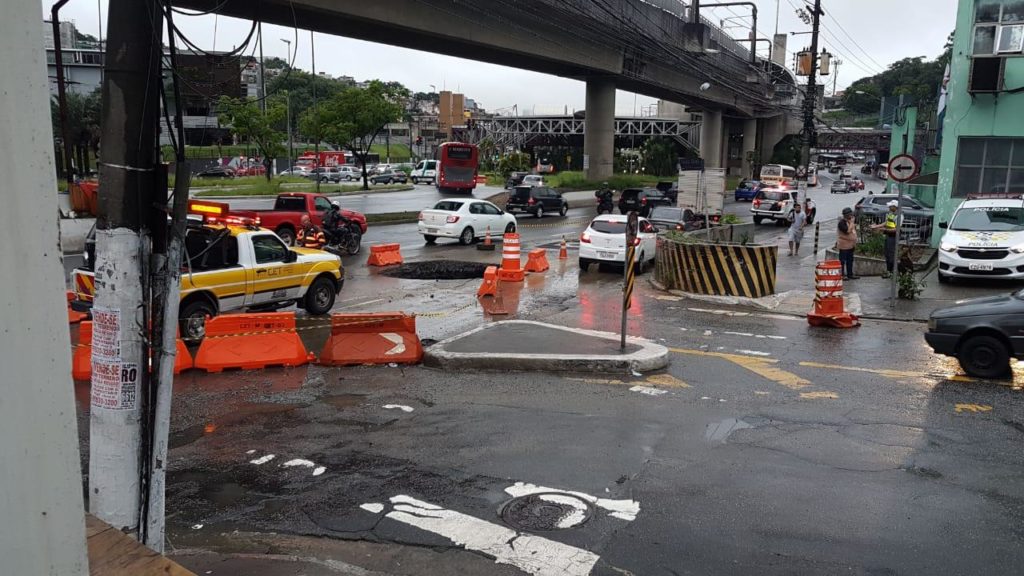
(829, 307)
(481, 179)
(81, 358)
(537, 261)
(74, 316)
(251, 342)
(511, 263)
(372, 339)
(563, 252)
(490, 284)
(85, 196)
(385, 255)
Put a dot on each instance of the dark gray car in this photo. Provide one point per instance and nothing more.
(917, 218)
(982, 333)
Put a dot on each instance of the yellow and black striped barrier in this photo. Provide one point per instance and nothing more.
(630, 274)
(716, 269)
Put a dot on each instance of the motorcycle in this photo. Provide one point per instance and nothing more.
(345, 240)
(604, 203)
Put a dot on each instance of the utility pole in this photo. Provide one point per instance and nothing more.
(316, 111)
(288, 109)
(120, 356)
(810, 99)
(835, 78)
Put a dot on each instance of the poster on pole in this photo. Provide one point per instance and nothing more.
(106, 333)
(114, 384)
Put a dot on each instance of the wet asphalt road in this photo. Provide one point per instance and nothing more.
(767, 447)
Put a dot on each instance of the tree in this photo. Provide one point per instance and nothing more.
(515, 162)
(353, 118)
(660, 156)
(255, 126)
(862, 103)
(83, 115)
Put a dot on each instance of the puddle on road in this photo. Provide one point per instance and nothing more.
(345, 400)
(720, 431)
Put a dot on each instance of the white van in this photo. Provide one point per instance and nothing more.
(425, 171)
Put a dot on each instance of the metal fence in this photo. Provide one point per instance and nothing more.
(916, 229)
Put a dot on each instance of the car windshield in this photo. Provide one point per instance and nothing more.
(989, 219)
(448, 206)
(521, 192)
(608, 227)
(750, 184)
(773, 195)
(667, 213)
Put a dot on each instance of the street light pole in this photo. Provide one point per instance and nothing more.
(288, 109)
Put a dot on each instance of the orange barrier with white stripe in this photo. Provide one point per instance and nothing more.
(250, 342)
(382, 338)
(81, 357)
(385, 255)
(511, 261)
(74, 316)
(829, 306)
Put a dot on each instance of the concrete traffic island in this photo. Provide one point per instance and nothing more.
(528, 345)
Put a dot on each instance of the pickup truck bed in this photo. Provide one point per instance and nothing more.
(289, 208)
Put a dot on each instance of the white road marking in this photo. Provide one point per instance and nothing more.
(572, 518)
(262, 459)
(753, 352)
(750, 335)
(362, 304)
(374, 507)
(719, 312)
(648, 390)
(319, 470)
(739, 334)
(622, 509)
(531, 554)
(197, 526)
(401, 407)
(250, 452)
(299, 462)
(395, 339)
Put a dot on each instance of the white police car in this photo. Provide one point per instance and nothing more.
(984, 239)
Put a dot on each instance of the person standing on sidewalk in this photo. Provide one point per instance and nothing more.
(889, 228)
(796, 230)
(846, 242)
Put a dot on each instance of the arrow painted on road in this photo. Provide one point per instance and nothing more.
(395, 339)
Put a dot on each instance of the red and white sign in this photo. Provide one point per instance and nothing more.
(902, 168)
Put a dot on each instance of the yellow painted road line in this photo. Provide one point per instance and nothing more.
(880, 371)
(821, 394)
(975, 408)
(667, 380)
(760, 366)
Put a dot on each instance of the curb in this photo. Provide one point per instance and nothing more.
(649, 357)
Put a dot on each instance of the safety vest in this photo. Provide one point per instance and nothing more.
(890, 223)
(312, 238)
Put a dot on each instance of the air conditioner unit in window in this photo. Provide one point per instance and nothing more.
(986, 75)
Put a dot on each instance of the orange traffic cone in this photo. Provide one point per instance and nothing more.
(487, 245)
(563, 252)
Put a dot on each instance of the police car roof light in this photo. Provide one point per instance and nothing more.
(995, 196)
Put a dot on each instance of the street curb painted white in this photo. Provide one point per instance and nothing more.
(649, 357)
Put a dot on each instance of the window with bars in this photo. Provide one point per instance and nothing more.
(989, 165)
(998, 27)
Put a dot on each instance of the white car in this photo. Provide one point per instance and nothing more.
(984, 239)
(466, 219)
(604, 240)
(382, 168)
(425, 171)
(349, 173)
(533, 180)
(847, 173)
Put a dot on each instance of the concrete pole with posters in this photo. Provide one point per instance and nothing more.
(41, 509)
(131, 88)
(711, 138)
(599, 131)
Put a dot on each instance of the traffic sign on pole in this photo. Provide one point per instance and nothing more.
(902, 168)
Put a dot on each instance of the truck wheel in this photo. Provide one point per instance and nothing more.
(287, 235)
(467, 237)
(192, 320)
(984, 356)
(320, 297)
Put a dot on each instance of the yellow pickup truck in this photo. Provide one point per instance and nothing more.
(234, 265)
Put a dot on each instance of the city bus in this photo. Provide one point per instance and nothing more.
(778, 175)
(457, 164)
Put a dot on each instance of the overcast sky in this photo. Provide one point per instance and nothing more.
(867, 35)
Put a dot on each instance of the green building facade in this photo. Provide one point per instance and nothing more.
(983, 128)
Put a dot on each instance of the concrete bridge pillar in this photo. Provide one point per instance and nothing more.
(773, 131)
(599, 132)
(711, 139)
(749, 146)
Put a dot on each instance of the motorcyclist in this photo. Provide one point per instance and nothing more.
(810, 209)
(333, 221)
(604, 198)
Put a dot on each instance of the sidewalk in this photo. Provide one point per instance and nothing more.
(868, 296)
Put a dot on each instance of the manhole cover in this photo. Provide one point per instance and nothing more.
(546, 511)
(438, 270)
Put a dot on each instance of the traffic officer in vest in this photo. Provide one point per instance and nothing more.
(310, 235)
(890, 228)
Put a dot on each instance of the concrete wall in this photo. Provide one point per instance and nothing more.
(980, 115)
(42, 519)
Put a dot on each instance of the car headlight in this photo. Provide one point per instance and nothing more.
(950, 247)
(1018, 249)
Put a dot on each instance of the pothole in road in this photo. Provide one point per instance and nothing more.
(438, 270)
(546, 511)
